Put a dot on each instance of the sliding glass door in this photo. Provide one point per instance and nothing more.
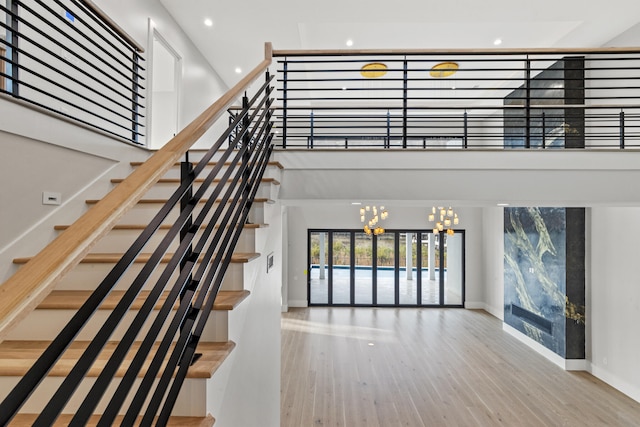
(319, 267)
(363, 268)
(398, 268)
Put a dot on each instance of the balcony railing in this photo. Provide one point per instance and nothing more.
(69, 58)
(537, 98)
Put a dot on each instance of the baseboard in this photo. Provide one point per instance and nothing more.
(616, 382)
(477, 305)
(298, 303)
(497, 312)
(474, 305)
(577, 365)
(566, 364)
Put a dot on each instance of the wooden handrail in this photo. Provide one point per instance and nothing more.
(451, 52)
(23, 291)
(111, 23)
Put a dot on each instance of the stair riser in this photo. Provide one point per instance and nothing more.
(191, 400)
(143, 213)
(165, 190)
(44, 325)
(118, 241)
(88, 276)
(270, 172)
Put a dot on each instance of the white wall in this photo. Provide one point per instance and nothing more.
(28, 167)
(252, 393)
(345, 216)
(615, 297)
(492, 260)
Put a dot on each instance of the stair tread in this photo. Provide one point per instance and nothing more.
(198, 180)
(162, 227)
(110, 258)
(163, 201)
(271, 163)
(25, 420)
(73, 300)
(16, 357)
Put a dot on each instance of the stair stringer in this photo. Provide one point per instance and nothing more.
(245, 390)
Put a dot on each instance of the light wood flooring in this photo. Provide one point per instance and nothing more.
(430, 367)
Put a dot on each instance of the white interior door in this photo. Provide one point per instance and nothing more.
(166, 78)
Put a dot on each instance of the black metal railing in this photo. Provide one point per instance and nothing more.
(206, 239)
(66, 57)
(580, 98)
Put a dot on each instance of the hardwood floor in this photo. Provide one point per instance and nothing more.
(430, 367)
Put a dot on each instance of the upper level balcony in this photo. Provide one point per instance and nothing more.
(536, 98)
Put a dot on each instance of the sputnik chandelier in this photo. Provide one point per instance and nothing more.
(371, 215)
(447, 218)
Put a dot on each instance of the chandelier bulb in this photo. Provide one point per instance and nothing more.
(371, 224)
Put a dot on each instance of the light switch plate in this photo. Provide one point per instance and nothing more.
(51, 198)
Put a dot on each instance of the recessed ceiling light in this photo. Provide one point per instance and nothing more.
(208, 22)
(238, 70)
(356, 203)
(349, 42)
(497, 42)
(503, 204)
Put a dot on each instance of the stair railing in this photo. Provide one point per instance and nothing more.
(200, 268)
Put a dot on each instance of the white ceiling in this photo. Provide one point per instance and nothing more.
(241, 27)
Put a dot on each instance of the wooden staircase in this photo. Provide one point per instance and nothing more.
(28, 340)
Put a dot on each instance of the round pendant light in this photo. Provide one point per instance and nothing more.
(444, 69)
(373, 70)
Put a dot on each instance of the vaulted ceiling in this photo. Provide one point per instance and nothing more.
(239, 28)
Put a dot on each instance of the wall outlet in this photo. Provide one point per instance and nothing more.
(51, 198)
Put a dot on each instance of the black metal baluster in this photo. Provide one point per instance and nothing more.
(527, 103)
(622, 129)
(135, 100)
(284, 104)
(12, 5)
(466, 131)
(405, 76)
(544, 130)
